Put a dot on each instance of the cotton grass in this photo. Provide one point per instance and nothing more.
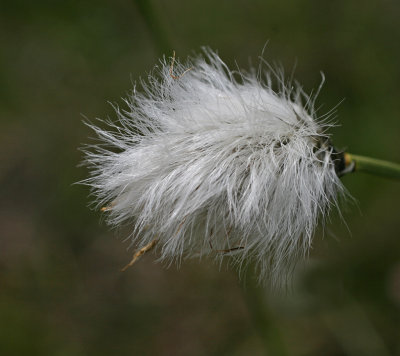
(216, 162)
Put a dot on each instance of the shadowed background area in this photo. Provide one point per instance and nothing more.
(61, 291)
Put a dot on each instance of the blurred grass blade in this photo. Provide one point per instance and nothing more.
(149, 15)
(266, 324)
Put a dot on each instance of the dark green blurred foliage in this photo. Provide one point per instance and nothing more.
(61, 292)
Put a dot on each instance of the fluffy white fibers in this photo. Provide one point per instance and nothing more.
(216, 162)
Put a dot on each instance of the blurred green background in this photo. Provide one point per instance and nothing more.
(61, 292)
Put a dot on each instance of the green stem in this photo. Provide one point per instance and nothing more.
(374, 166)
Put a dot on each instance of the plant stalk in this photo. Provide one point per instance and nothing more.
(373, 166)
(263, 320)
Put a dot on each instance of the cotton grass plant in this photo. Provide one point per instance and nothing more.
(206, 161)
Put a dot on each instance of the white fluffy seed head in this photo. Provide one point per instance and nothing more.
(217, 163)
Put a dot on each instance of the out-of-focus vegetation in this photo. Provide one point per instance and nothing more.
(61, 292)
